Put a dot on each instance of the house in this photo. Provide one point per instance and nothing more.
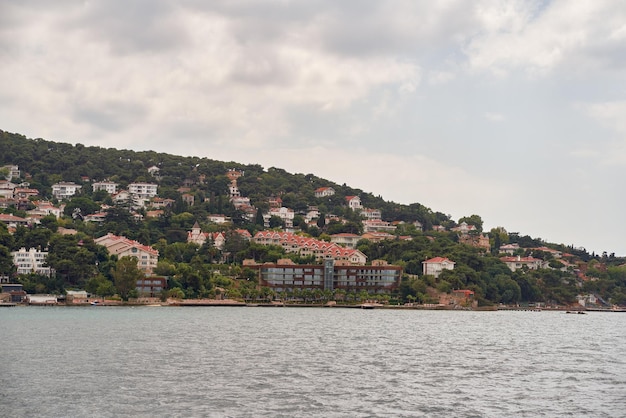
(147, 257)
(76, 296)
(345, 239)
(7, 202)
(354, 202)
(108, 186)
(285, 214)
(307, 247)
(31, 261)
(154, 171)
(159, 202)
(154, 213)
(218, 218)
(378, 236)
(24, 193)
(95, 217)
(151, 286)
(376, 225)
(275, 202)
(372, 214)
(122, 197)
(435, 266)
(198, 237)
(6, 189)
(45, 208)
(240, 201)
(143, 190)
(13, 171)
(12, 220)
(244, 233)
(516, 263)
(188, 198)
(324, 192)
(64, 190)
(13, 292)
(555, 253)
(464, 228)
(509, 248)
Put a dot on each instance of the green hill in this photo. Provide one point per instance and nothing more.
(419, 233)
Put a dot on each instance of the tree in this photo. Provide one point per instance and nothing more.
(474, 220)
(276, 222)
(126, 273)
(7, 268)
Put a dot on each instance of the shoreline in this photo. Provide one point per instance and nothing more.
(236, 303)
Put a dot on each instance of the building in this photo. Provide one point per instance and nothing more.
(464, 228)
(378, 236)
(24, 193)
(147, 257)
(188, 198)
(45, 208)
(13, 292)
(12, 220)
(151, 286)
(345, 239)
(218, 218)
(435, 266)
(143, 190)
(31, 261)
(372, 214)
(354, 202)
(285, 214)
(509, 248)
(307, 247)
(377, 225)
(324, 192)
(65, 190)
(285, 276)
(13, 171)
(198, 237)
(108, 186)
(516, 263)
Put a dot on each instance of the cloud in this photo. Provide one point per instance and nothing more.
(538, 38)
(494, 117)
(466, 107)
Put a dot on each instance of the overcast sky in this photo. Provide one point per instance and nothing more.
(512, 110)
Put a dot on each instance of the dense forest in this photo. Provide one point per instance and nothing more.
(204, 271)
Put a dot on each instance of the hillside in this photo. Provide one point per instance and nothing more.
(223, 197)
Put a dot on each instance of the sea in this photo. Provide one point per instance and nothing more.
(309, 362)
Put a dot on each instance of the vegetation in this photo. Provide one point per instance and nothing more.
(206, 271)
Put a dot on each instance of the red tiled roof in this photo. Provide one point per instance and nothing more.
(438, 260)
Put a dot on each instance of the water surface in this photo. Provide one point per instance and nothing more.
(301, 362)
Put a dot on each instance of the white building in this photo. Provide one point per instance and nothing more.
(64, 190)
(13, 171)
(435, 266)
(283, 213)
(372, 214)
(147, 257)
(354, 202)
(31, 261)
(108, 186)
(324, 192)
(143, 190)
(516, 263)
(346, 239)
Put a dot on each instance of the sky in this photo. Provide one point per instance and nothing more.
(511, 110)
